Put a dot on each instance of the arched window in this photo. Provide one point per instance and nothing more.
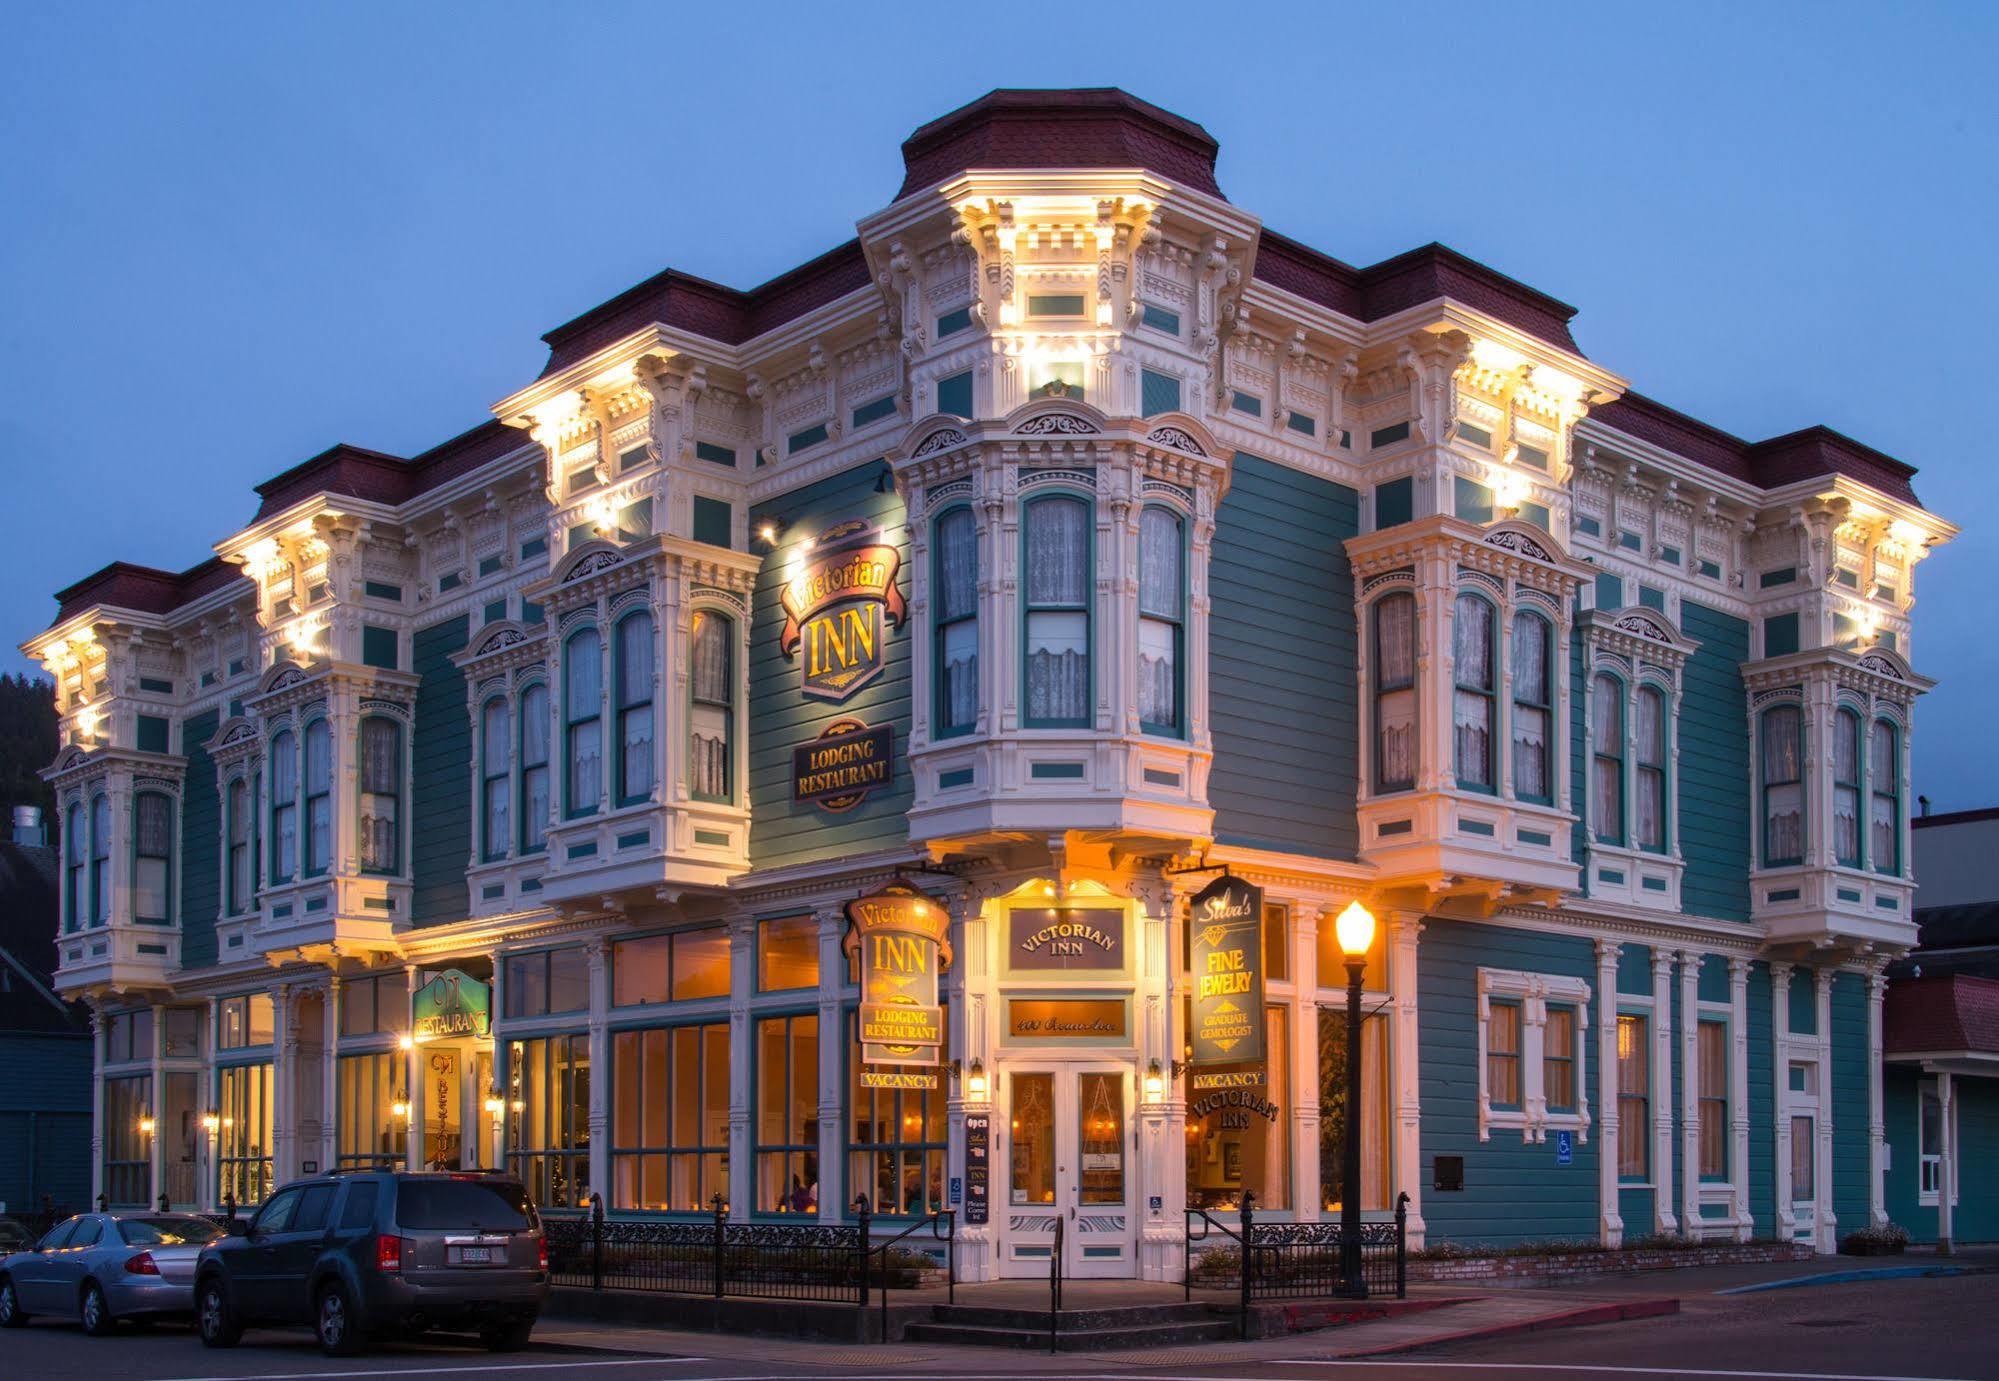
(72, 842)
(495, 784)
(712, 708)
(381, 794)
(1648, 796)
(1471, 709)
(1884, 788)
(583, 718)
(1057, 534)
(100, 860)
(152, 853)
(318, 797)
(1162, 603)
(536, 800)
(1395, 692)
(1533, 708)
(1846, 788)
(239, 809)
(1782, 733)
(957, 580)
(1606, 742)
(634, 708)
(284, 806)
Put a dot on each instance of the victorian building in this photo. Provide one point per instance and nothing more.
(1063, 542)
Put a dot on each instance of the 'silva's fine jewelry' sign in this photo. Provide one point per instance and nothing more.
(1225, 926)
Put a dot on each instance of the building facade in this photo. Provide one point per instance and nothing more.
(1062, 543)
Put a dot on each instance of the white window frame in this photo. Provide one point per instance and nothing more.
(1533, 991)
(1925, 1156)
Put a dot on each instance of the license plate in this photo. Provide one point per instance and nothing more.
(475, 1256)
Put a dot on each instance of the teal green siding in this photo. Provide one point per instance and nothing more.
(1281, 668)
(1849, 1103)
(1762, 1104)
(1636, 1207)
(1394, 502)
(1634, 970)
(1514, 1192)
(1975, 1217)
(380, 647)
(782, 717)
(45, 1120)
(1713, 807)
(1804, 1003)
(200, 859)
(441, 785)
(1714, 978)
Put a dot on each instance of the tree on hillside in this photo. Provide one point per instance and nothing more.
(27, 745)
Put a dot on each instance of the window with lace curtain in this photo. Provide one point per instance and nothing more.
(1884, 789)
(1780, 733)
(381, 794)
(712, 709)
(152, 852)
(241, 809)
(583, 723)
(284, 806)
(634, 673)
(495, 789)
(1846, 788)
(535, 795)
(1533, 708)
(1395, 692)
(1711, 1047)
(1161, 619)
(1648, 745)
(1472, 706)
(957, 584)
(1057, 536)
(100, 859)
(72, 848)
(1606, 741)
(318, 798)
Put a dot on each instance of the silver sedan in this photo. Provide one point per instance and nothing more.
(99, 1268)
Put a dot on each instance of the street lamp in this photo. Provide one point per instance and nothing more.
(1355, 929)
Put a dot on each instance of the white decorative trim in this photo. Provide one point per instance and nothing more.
(1534, 991)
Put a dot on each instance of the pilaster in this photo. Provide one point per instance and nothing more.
(99, 1046)
(1877, 991)
(1780, 1027)
(1690, 1093)
(1738, 1096)
(1405, 1067)
(742, 985)
(599, 952)
(833, 1198)
(1663, 1218)
(1828, 1233)
(1610, 1219)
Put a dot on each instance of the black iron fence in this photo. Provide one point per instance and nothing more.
(1294, 1261)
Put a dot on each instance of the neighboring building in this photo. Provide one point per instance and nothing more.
(1942, 1038)
(44, 1040)
(1062, 531)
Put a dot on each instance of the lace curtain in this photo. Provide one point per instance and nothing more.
(1158, 676)
(635, 719)
(1606, 796)
(381, 780)
(1783, 794)
(153, 840)
(318, 805)
(1471, 634)
(711, 659)
(960, 689)
(1648, 724)
(1058, 651)
(957, 565)
(1395, 700)
(240, 807)
(1057, 552)
(1159, 593)
(708, 730)
(583, 672)
(1530, 699)
(534, 767)
(1159, 562)
(284, 768)
(1846, 787)
(1884, 814)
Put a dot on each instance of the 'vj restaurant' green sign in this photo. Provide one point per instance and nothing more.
(451, 1004)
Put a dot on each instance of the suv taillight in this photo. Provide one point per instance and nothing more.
(142, 1265)
(388, 1253)
(541, 1251)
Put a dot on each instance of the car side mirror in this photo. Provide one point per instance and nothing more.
(236, 1227)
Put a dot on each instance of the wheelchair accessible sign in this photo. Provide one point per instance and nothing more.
(1565, 1148)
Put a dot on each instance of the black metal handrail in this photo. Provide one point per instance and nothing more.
(1305, 1260)
(1055, 1283)
(1208, 1223)
(947, 1219)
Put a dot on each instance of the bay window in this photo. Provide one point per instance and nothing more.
(1472, 704)
(957, 581)
(712, 709)
(1634, 1096)
(1846, 788)
(1781, 733)
(1057, 534)
(535, 798)
(1395, 692)
(381, 794)
(583, 720)
(1648, 799)
(495, 779)
(100, 860)
(1533, 708)
(318, 797)
(1161, 619)
(1884, 789)
(284, 806)
(1606, 735)
(152, 852)
(634, 678)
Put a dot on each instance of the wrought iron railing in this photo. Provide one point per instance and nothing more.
(1293, 1261)
(943, 1227)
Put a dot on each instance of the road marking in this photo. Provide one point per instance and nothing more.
(553, 1364)
(1603, 1370)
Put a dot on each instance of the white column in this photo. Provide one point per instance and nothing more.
(284, 1085)
(1690, 1093)
(1405, 1068)
(412, 1074)
(1738, 1095)
(742, 983)
(599, 952)
(1828, 1234)
(834, 1201)
(1877, 1121)
(1946, 1165)
(1302, 1059)
(206, 1188)
(968, 985)
(1663, 1219)
(329, 1083)
(156, 1109)
(1780, 1064)
(98, 1044)
(1610, 1219)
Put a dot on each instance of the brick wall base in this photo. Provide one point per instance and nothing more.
(1567, 1265)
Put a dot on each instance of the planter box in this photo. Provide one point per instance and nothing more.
(1568, 1265)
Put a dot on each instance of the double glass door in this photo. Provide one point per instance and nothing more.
(1068, 1156)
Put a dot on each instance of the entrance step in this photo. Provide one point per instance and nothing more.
(1077, 1330)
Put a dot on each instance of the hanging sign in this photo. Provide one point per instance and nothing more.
(1225, 924)
(839, 598)
(978, 1168)
(902, 938)
(451, 1004)
(919, 1079)
(837, 770)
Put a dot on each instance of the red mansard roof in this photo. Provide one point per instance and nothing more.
(1929, 1016)
(143, 588)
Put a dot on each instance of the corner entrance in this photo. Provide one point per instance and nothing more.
(1066, 1152)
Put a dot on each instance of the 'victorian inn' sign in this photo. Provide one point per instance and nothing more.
(838, 605)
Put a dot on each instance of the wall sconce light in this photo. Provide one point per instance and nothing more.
(408, 1042)
(1155, 1081)
(210, 1122)
(520, 1105)
(769, 530)
(495, 1105)
(400, 1108)
(145, 1126)
(975, 1082)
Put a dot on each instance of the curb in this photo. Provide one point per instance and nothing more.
(1573, 1318)
(1862, 1273)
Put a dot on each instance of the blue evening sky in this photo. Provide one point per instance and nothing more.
(233, 235)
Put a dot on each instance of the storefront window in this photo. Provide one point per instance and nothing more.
(182, 1035)
(128, 1036)
(680, 967)
(128, 1144)
(670, 1118)
(369, 1132)
(787, 953)
(374, 1006)
(243, 1138)
(549, 1107)
(551, 980)
(896, 1150)
(246, 1021)
(1333, 1109)
(1239, 1139)
(787, 1124)
(180, 1135)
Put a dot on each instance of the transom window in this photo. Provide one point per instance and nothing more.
(1057, 535)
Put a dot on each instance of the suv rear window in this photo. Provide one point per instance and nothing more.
(460, 1204)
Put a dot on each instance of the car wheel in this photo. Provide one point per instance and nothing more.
(95, 1311)
(12, 1315)
(333, 1320)
(510, 1336)
(214, 1318)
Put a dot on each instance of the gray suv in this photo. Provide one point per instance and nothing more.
(376, 1254)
